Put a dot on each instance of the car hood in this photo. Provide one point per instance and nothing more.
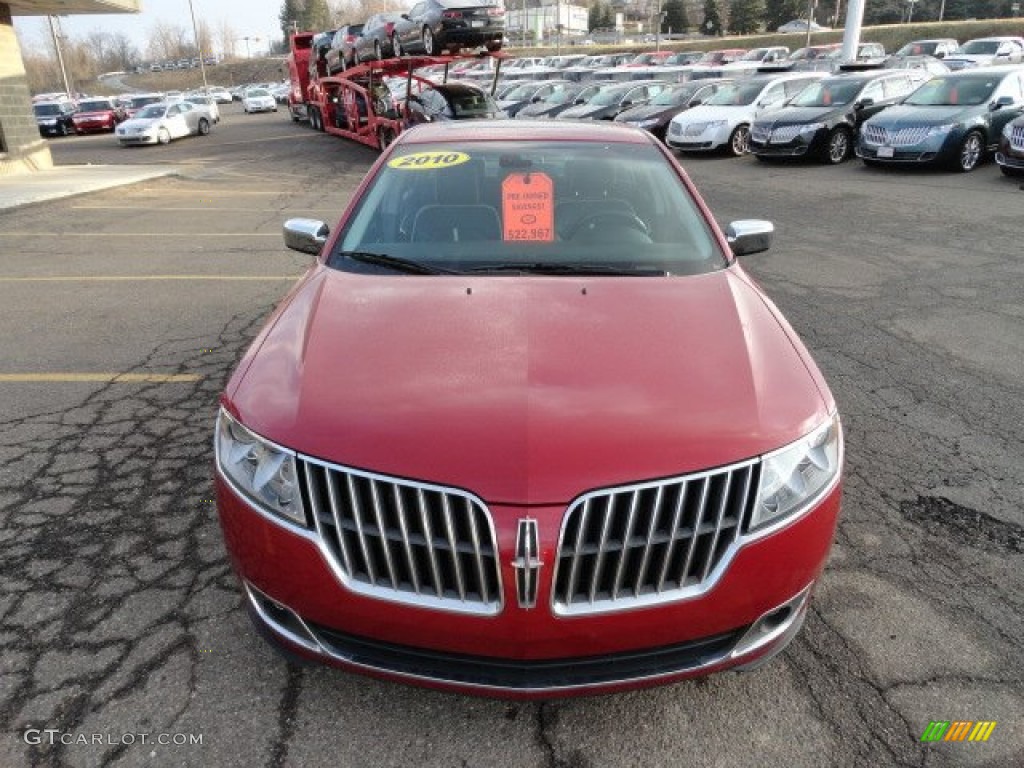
(800, 115)
(528, 390)
(647, 112)
(539, 109)
(706, 113)
(140, 122)
(903, 114)
(586, 110)
(976, 58)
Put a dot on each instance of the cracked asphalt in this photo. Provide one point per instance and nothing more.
(119, 615)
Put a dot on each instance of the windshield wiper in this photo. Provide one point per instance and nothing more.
(398, 264)
(542, 268)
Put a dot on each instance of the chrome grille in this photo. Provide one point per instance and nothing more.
(405, 541)
(908, 137)
(649, 543)
(760, 133)
(904, 137)
(875, 134)
(785, 134)
(1017, 138)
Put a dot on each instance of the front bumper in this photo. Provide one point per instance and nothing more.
(137, 138)
(710, 138)
(750, 613)
(932, 149)
(1007, 157)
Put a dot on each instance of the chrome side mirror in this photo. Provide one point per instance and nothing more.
(749, 236)
(305, 235)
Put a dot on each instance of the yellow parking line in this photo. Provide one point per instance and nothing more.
(143, 278)
(116, 378)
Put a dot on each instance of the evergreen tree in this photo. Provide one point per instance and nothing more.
(675, 17)
(745, 16)
(290, 12)
(712, 18)
(317, 16)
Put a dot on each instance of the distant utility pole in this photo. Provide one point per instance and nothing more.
(60, 58)
(202, 53)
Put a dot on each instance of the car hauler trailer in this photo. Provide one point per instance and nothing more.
(359, 105)
(300, 56)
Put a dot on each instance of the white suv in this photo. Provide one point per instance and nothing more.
(724, 119)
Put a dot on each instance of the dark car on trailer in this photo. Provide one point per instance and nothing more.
(434, 26)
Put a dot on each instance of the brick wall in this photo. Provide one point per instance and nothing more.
(23, 149)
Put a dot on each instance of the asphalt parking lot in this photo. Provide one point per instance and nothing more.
(121, 623)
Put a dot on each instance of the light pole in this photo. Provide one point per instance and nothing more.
(60, 59)
(195, 34)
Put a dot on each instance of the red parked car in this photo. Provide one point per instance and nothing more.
(526, 428)
(97, 115)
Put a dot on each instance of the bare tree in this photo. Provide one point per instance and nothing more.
(226, 37)
(169, 41)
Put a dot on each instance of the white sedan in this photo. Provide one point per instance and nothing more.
(161, 122)
(259, 100)
(724, 119)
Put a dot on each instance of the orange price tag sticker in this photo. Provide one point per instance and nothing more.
(528, 207)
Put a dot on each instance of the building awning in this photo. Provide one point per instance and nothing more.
(68, 7)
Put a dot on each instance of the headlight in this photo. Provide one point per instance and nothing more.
(264, 472)
(794, 476)
(811, 128)
(939, 130)
(1008, 131)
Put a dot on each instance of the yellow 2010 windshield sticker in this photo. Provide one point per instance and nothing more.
(428, 161)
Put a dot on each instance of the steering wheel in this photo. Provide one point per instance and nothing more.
(607, 220)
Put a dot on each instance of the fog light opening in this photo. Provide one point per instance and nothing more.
(282, 619)
(775, 619)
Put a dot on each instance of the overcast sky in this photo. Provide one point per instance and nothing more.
(252, 18)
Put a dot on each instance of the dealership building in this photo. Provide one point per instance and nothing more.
(21, 147)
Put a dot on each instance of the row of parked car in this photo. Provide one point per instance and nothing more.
(60, 115)
(882, 115)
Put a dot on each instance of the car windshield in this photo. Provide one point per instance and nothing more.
(672, 97)
(256, 92)
(555, 206)
(151, 112)
(755, 55)
(522, 92)
(563, 96)
(46, 110)
(827, 93)
(141, 101)
(917, 49)
(94, 106)
(984, 47)
(472, 104)
(736, 94)
(711, 57)
(950, 91)
(682, 58)
(606, 97)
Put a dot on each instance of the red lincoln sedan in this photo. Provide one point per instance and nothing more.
(97, 115)
(526, 428)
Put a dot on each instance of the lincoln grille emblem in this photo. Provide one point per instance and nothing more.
(527, 563)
